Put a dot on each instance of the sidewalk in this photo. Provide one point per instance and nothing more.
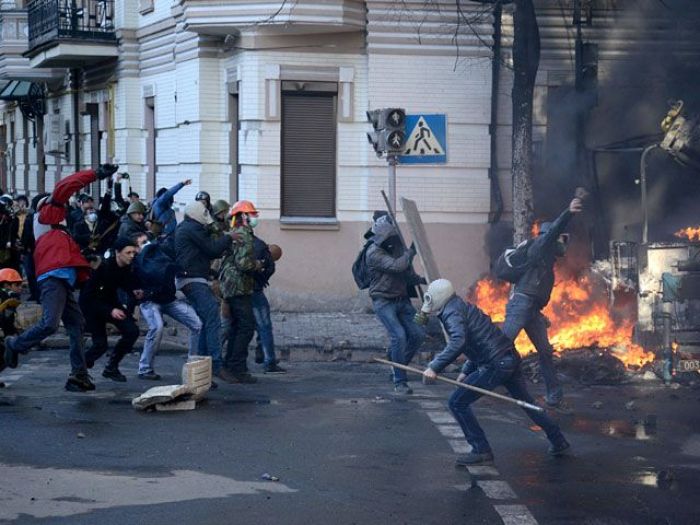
(298, 336)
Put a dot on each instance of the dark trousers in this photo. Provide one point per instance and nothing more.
(522, 312)
(240, 333)
(505, 371)
(97, 325)
(30, 274)
(58, 304)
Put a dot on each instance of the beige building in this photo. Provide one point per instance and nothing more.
(269, 105)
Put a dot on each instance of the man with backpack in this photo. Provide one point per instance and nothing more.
(155, 271)
(530, 267)
(389, 268)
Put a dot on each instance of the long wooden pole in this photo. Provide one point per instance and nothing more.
(518, 402)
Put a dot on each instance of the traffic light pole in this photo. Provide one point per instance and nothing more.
(392, 161)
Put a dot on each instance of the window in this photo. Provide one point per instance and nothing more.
(308, 150)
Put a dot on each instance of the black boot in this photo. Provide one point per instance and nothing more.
(79, 382)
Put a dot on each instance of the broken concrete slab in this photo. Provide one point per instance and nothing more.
(159, 394)
(187, 404)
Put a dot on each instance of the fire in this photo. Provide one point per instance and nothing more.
(579, 313)
(691, 233)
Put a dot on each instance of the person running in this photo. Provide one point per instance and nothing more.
(59, 268)
(100, 303)
(156, 271)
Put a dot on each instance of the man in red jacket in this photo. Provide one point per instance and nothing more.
(60, 268)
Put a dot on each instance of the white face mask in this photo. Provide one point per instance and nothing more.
(91, 217)
(252, 221)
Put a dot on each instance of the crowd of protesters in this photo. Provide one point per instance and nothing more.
(92, 261)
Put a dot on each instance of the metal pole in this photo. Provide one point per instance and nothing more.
(643, 183)
(482, 391)
(391, 159)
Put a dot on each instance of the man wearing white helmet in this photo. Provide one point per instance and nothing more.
(492, 361)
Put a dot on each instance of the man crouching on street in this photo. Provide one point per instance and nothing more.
(492, 361)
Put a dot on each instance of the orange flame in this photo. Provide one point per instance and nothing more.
(691, 233)
(579, 313)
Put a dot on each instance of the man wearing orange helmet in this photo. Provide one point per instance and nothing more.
(237, 286)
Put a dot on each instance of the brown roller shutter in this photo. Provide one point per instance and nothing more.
(308, 154)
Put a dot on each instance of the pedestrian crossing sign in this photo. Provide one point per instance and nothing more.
(426, 141)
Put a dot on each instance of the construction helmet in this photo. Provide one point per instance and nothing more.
(219, 206)
(243, 207)
(136, 207)
(439, 292)
(203, 196)
(275, 251)
(9, 275)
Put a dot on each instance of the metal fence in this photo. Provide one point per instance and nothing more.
(86, 20)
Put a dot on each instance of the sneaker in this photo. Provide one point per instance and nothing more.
(226, 376)
(474, 458)
(11, 357)
(403, 389)
(149, 376)
(244, 378)
(259, 356)
(80, 382)
(114, 374)
(274, 369)
(558, 449)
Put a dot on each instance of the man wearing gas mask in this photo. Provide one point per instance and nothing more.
(391, 275)
(492, 361)
(530, 294)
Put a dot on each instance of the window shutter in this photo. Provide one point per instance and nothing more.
(308, 154)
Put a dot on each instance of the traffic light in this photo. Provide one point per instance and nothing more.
(389, 135)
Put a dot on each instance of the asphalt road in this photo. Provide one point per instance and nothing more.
(343, 449)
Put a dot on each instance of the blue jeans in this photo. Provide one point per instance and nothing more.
(58, 304)
(505, 371)
(205, 304)
(153, 315)
(523, 313)
(405, 336)
(263, 325)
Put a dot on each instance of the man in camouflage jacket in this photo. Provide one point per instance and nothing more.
(237, 286)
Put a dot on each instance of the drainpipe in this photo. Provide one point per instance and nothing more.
(643, 183)
(496, 196)
(75, 86)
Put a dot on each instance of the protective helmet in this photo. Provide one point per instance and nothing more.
(275, 251)
(219, 206)
(9, 275)
(439, 292)
(84, 197)
(203, 196)
(243, 207)
(6, 200)
(136, 207)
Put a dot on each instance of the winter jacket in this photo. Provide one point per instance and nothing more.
(195, 249)
(99, 295)
(155, 271)
(163, 211)
(538, 280)
(56, 248)
(387, 273)
(261, 253)
(472, 333)
(130, 227)
(238, 267)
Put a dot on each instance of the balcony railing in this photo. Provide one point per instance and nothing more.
(74, 20)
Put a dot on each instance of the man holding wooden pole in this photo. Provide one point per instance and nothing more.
(492, 361)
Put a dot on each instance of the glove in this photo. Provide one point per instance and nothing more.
(421, 318)
(106, 170)
(412, 251)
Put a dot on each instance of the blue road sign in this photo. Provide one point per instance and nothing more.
(426, 141)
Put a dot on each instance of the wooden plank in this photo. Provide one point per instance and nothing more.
(415, 226)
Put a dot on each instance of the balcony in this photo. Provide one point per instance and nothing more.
(13, 44)
(70, 33)
(301, 17)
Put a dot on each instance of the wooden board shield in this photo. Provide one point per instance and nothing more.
(415, 226)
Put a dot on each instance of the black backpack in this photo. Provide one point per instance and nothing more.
(360, 269)
(512, 264)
